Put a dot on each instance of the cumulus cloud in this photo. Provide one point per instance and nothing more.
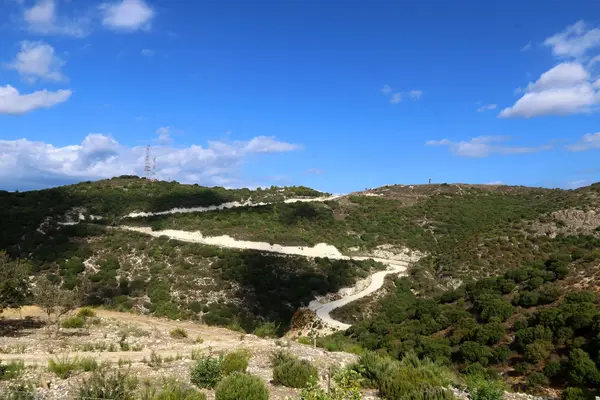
(487, 107)
(587, 142)
(14, 103)
(526, 47)
(574, 41)
(164, 134)
(397, 97)
(415, 94)
(386, 89)
(42, 18)
(147, 52)
(127, 15)
(564, 89)
(483, 146)
(37, 60)
(38, 164)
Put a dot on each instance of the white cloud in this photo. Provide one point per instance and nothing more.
(38, 164)
(127, 15)
(37, 60)
(164, 134)
(577, 184)
(42, 18)
(526, 47)
(386, 89)
(147, 52)
(396, 98)
(483, 146)
(487, 107)
(415, 94)
(574, 41)
(587, 142)
(314, 171)
(495, 183)
(564, 89)
(14, 103)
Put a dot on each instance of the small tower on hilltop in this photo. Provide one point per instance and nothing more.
(147, 167)
(154, 169)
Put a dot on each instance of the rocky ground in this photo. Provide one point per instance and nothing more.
(143, 346)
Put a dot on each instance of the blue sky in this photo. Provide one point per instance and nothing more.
(334, 95)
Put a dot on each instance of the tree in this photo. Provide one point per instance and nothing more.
(54, 300)
(582, 369)
(14, 282)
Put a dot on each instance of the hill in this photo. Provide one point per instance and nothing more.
(495, 260)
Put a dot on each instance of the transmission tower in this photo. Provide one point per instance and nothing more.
(147, 163)
(154, 169)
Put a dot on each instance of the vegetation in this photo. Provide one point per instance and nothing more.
(206, 373)
(235, 361)
(12, 370)
(172, 389)
(178, 333)
(63, 367)
(346, 386)
(290, 371)
(241, 386)
(73, 322)
(14, 283)
(108, 384)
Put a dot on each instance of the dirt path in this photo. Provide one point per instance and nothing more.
(320, 250)
(233, 204)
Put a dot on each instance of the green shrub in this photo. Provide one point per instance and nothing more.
(86, 312)
(173, 390)
(236, 361)
(536, 380)
(238, 386)
(108, 384)
(63, 367)
(552, 368)
(178, 333)
(294, 373)
(12, 370)
(73, 323)
(575, 393)
(267, 329)
(484, 388)
(206, 373)
(88, 364)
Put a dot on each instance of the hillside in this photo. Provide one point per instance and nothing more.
(518, 251)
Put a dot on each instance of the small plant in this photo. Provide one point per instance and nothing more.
(173, 390)
(86, 312)
(73, 323)
(178, 333)
(12, 370)
(88, 364)
(236, 361)
(155, 360)
(241, 386)
(63, 367)
(198, 340)
(108, 384)
(19, 391)
(206, 373)
(196, 354)
(290, 371)
(123, 362)
(267, 329)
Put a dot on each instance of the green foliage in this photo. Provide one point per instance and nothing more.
(235, 361)
(14, 282)
(346, 386)
(88, 364)
(86, 312)
(19, 390)
(538, 350)
(267, 329)
(108, 384)
(73, 322)
(206, 373)
(238, 386)
(582, 369)
(536, 379)
(63, 367)
(12, 370)
(172, 389)
(482, 387)
(178, 333)
(575, 393)
(294, 373)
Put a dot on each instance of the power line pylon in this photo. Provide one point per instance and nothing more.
(154, 169)
(147, 163)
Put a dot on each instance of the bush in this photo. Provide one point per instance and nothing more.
(88, 364)
(174, 390)
(63, 367)
(178, 333)
(483, 388)
(236, 361)
(536, 379)
(538, 350)
(206, 373)
(73, 323)
(11, 370)
(474, 352)
(267, 329)
(86, 312)
(108, 384)
(575, 393)
(19, 391)
(294, 373)
(238, 386)
(552, 368)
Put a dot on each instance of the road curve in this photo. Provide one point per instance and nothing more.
(320, 250)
